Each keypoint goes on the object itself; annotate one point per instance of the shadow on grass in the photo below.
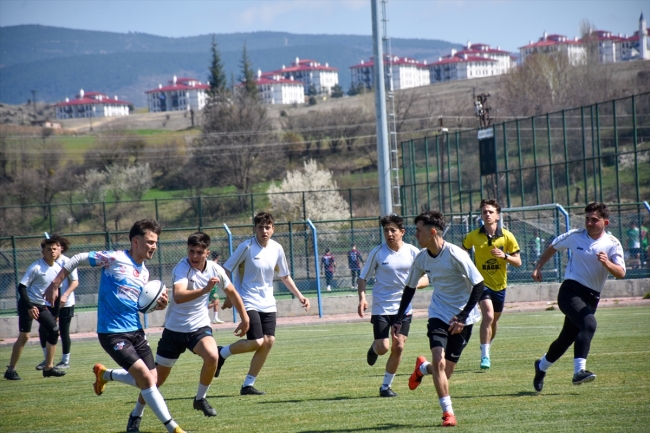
(340, 398)
(401, 427)
(518, 394)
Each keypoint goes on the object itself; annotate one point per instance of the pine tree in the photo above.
(248, 76)
(337, 91)
(217, 77)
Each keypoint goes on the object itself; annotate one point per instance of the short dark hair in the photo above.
(263, 218)
(490, 202)
(141, 227)
(392, 219)
(56, 239)
(215, 255)
(431, 218)
(199, 239)
(601, 208)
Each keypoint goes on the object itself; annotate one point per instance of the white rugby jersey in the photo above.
(452, 275)
(583, 265)
(391, 268)
(37, 278)
(253, 267)
(74, 276)
(192, 315)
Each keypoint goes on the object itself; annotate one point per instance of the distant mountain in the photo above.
(57, 62)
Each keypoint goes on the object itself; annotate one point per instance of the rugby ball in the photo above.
(151, 292)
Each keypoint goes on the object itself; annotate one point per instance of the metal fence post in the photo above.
(636, 153)
(15, 257)
(229, 233)
(200, 207)
(317, 264)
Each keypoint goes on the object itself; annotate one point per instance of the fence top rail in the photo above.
(519, 119)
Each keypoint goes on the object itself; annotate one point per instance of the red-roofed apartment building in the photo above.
(406, 72)
(91, 104)
(310, 73)
(275, 89)
(181, 94)
(611, 48)
(551, 44)
(475, 61)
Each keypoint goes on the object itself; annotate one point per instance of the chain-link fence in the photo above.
(534, 227)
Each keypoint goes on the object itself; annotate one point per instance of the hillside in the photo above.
(57, 62)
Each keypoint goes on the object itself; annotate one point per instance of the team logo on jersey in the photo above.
(136, 273)
(119, 346)
(491, 266)
(130, 293)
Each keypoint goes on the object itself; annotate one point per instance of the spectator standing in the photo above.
(355, 260)
(329, 266)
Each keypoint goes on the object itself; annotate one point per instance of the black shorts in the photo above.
(498, 298)
(66, 312)
(45, 318)
(453, 345)
(381, 325)
(261, 324)
(126, 348)
(172, 344)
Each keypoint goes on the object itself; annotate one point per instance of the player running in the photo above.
(458, 285)
(120, 333)
(390, 263)
(494, 249)
(253, 266)
(594, 255)
(187, 325)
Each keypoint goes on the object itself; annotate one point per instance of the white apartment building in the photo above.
(551, 44)
(181, 94)
(310, 73)
(475, 61)
(91, 104)
(275, 89)
(406, 72)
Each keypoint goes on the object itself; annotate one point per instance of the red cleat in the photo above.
(448, 419)
(416, 376)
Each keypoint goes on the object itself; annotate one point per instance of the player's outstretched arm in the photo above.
(546, 256)
(288, 281)
(233, 297)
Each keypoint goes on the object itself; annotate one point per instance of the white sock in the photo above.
(423, 368)
(202, 392)
(579, 364)
(485, 350)
(225, 352)
(216, 315)
(388, 380)
(138, 410)
(120, 375)
(249, 381)
(445, 404)
(65, 358)
(157, 404)
(544, 364)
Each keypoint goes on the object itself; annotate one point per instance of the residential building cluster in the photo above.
(292, 84)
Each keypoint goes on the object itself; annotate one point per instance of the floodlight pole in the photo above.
(383, 162)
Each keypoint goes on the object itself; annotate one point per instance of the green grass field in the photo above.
(317, 380)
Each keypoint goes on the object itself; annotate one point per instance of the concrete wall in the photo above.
(87, 321)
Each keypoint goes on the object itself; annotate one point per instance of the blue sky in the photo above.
(505, 23)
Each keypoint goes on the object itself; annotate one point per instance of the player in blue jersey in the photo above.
(120, 333)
